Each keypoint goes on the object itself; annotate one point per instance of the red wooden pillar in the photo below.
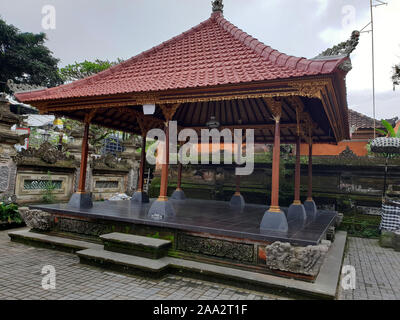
(164, 169)
(237, 193)
(275, 169)
(84, 159)
(310, 172)
(297, 173)
(179, 182)
(142, 163)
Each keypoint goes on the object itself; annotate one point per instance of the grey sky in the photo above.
(104, 29)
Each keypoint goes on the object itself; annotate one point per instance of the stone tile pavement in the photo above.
(377, 278)
(21, 278)
(377, 271)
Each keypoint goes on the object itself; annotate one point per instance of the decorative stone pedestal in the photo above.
(386, 239)
(237, 201)
(311, 209)
(81, 201)
(274, 221)
(178, 194)
(396, 240)
(140, 197)
(297, 212)
(161, 210)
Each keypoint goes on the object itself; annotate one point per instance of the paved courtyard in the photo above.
(377, 271)
(21, 278)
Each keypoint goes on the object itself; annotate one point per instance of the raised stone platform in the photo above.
(212, 217)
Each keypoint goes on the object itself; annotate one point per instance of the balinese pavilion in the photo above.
(216, 72)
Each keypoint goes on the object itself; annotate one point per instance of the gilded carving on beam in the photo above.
(275, 105)
(146, 98)
(169, 110)
(90, 115)
(310, 89)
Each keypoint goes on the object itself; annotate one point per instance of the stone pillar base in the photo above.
(311, 209)
(178, 194)
(140, 197)
(297, 212)
(237, 201)
(81, 201)
(161, 210)
(274, 221)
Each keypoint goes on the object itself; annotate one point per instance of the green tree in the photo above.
(390, 131)
(80, 70)
(24, 58)
(396, 76)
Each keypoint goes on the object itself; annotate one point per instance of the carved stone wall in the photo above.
(8, 139)
(236, 251)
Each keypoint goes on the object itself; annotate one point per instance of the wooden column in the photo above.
(142, 163)
(84, 159)
(179, 183)
(164, 169)
(275, 169)
(237, 193)
(310, 172)
(169, 112)
(297, 173)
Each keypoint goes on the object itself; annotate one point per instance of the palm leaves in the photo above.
(390, 132)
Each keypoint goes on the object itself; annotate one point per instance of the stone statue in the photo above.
(217, 6)
(342, 49)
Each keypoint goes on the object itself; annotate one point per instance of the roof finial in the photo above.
(217, 6)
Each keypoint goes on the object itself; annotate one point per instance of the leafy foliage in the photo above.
(48, 193)
(360, 225)
(396, 76)
(80, 70)
(390, 131)
(24, 58)
(9, 213)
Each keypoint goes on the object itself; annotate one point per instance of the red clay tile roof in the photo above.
(213, 53)
(360, 121)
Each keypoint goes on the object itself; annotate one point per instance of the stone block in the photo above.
(386, 239)
(299, 260)
(136, 245)
(330, 233)
(36, 219)
(396, 240)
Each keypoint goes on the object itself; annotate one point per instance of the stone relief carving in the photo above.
(344, 48)
(217, 6)
(348, 153)
(47, 153)
(36, 219)
(217, 248)
(300, 260)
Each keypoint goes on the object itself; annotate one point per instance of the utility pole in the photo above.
(373, 4)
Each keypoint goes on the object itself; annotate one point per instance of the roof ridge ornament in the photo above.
(344, 48)
(217, 6)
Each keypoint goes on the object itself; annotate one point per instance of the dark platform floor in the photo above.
(213, 217)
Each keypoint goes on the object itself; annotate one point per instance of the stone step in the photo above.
(51, 242)
(124, 262)
(136, 245)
